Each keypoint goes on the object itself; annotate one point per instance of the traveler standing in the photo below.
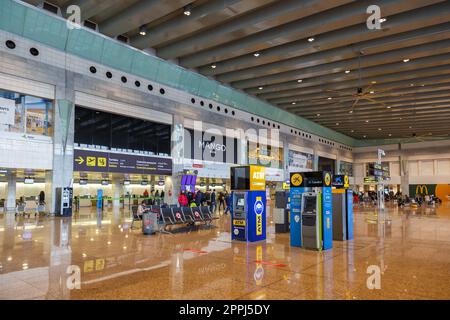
(213, 201)
(182, 199)
(42, 198)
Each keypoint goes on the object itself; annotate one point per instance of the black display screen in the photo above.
(310, 204)
(240, 178)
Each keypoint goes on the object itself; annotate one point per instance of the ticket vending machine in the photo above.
(311, 210)
(248, 210)
(342, 208)
(64, 198)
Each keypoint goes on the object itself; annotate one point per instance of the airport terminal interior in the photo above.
(224, 150)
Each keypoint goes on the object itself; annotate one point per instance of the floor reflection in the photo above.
(411, 248)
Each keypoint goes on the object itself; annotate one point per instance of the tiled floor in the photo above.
(411, 248)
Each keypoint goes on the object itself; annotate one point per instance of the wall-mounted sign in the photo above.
(7, 111)
(87, 160)
(210, 146)
(299, 161)
(28, 181)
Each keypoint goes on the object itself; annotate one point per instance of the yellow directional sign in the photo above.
(101, 162)
(91, 161)
(80, 160)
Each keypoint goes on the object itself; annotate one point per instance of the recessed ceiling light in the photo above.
(213, 66)
(329, 98)
(293, 102)
(367, 121)
(318, 114)
(410, 127)
(406, 60)
(372, 92)
(388, 107)
(373, 82)
(383, 20)
(379, 129)
(364, 136)
(411, 85)
(260, 88)
(400, 118)
(256, 54)
(311, 39)
(347, 71)
(351, 111)
(337, 123)
(422, 85)
(142, 30)
(390, 134)
(299, 80)
(352, 131)
(187, 10)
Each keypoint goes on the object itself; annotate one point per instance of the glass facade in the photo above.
(32, 115)
(107, 131)
(265, 155)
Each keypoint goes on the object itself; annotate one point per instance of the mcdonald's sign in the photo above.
(421, 189)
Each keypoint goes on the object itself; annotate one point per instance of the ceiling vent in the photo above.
(122, 38)
(90, 25)
(50, 7)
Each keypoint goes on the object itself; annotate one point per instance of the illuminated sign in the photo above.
(257, 178)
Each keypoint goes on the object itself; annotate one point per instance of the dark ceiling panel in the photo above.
(305, 78)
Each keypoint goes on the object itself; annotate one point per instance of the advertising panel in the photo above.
(7, 111)
(300, 161)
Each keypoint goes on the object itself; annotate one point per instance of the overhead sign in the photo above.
(7, 111)
(311, 179)
(87, 160)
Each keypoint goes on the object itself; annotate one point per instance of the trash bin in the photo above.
(149, 222)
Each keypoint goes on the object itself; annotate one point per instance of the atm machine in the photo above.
(311, 221)
(342, 208)
(248, 210)
(64, 199)
(311, 210)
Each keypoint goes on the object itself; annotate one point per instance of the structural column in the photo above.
(178, 153)
(63, 137)
(11, 192)
(118, 192)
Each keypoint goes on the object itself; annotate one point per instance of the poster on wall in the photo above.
(87, 160)
(300, 161)
(7, 111)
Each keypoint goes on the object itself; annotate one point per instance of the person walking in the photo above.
(228, 203)
(221, 201)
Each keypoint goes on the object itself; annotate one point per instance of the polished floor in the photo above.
(411, 248)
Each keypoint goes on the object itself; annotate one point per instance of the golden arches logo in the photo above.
(346, 180)
(296, 179)
(421, 188)
(327, 179)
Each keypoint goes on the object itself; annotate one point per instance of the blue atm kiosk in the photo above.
(248, 209)
(311, 224)
(342, 208)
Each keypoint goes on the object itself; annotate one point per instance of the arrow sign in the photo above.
(80, 160)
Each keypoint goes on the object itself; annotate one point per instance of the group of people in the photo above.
(402, 200)
(208, 198)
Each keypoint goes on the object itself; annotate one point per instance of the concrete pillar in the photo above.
(63, 137)
(285, 158)
(11, 192)
(404, 175)
(242, 151)
(178, 153)
(118, 192)
(316, 162)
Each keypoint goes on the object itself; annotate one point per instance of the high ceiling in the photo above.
(402, 69)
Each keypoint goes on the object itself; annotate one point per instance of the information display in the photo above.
(87, 160)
